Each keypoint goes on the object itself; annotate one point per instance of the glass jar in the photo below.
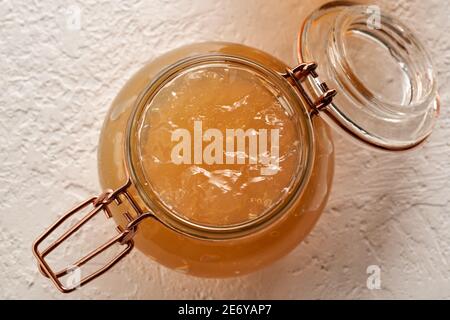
(217, 158)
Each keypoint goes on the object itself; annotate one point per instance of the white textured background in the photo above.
(56, 86)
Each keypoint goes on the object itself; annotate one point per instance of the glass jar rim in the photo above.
(195, 229)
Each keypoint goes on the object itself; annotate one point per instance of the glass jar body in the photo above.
(208, 258)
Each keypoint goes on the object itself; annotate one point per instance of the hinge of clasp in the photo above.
(299, 74)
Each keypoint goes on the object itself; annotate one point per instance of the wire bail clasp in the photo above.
(124, 237)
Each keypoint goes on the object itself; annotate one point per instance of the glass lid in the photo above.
(387, 93)
(218, 145)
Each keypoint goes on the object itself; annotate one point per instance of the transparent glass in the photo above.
(264, 241)
(383, 74)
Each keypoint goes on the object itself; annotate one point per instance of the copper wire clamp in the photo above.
(124, 236)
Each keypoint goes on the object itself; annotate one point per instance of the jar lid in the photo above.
(387, 93)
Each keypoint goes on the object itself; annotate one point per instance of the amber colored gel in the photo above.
(222, 98)
(217, 194)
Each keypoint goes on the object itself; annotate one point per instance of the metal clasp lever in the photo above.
(124, 237)
(299, 74)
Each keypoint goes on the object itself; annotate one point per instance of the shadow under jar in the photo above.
(217, 158)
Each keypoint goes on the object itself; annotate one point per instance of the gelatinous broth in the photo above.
(214, 176)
